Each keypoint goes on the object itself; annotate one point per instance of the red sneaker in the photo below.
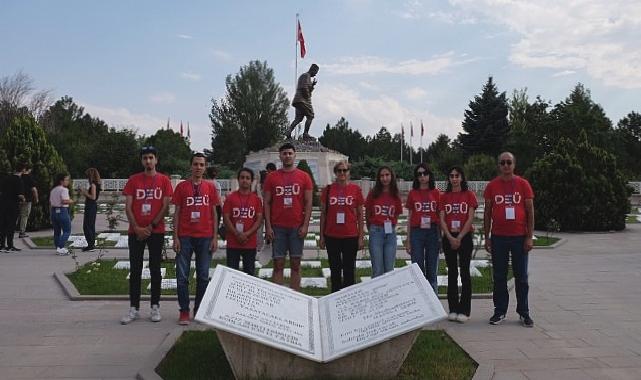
(183, 320)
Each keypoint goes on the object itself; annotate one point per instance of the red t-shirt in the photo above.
(342, 200)
(457, 207)
(196, 218)
(423, 203)
(242, 209)
(148, 193)
(383, 208)
(287, 196)
(505, 195)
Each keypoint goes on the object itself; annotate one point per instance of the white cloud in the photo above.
(185, 36)
(415, 93)
(564, 73)
(163, 97)
(121, 117)
(191, 76)
(377, 65)
(412, 10)
(221, 55)
(596, 36)
(369, 113)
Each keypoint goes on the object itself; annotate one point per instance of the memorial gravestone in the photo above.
(272, 331)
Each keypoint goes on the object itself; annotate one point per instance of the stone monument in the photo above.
(365, 330)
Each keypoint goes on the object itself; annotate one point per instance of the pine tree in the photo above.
(485, 125)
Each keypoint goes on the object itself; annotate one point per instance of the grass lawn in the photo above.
(434, 356)
(47, 242)
(543, 241)
(631, 219)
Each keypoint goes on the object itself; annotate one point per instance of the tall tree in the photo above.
(485, 124)
(173, 151)
(252, 116)
(442, 154)
(628, 145)
(343, 139)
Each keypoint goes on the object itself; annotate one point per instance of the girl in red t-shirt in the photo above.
(422, 227)
(341, 226)
(456, 215)
(382, 208)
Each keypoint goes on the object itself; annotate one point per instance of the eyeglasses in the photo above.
(342, 170)
(454, 175)
(505, 162)
(422, 173)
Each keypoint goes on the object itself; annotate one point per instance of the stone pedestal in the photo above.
(252, 360)
(321, 160)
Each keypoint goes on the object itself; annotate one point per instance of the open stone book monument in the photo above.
(271, 331)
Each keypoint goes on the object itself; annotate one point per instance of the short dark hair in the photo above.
(59, 177)
(20, 166)
(286, 146)
(212, 172)
(248, 170)
(197, 154)
(147, 150)
(270, 166)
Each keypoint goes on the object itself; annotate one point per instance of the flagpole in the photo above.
(402, 138)
(296, 53)
(411, 148)
(422, 141)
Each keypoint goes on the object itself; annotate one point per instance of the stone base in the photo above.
(252, 360)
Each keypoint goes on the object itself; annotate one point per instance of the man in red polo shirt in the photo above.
(288, 206)
(509, 216)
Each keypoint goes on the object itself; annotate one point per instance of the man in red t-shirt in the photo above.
(288, 206)
(242, 215)
(147, 199)
(509, 216)
(195, 225)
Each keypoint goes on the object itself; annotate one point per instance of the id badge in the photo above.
(426, 222)
(146, 209)
(195, 216)
(456, 225)
(240, 227)
(509, 213)
(388, 227)
(58, 210)
(288, 201)
(340, 218)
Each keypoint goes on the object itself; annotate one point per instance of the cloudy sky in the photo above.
(137, 63)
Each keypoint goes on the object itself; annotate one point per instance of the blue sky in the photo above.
(137, 63)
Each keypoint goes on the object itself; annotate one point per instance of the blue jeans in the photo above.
(287, 240)
(200, 246)
(424, 244)
(61, 225)
(501, 248)
(382, 250)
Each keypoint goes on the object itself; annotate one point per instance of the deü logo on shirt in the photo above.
(149, 193)
(508, 198)
(341, 201)
(384, 210)
(425, 206)
(456, 208)
(288, 190)
(199, 200)
(243, 212)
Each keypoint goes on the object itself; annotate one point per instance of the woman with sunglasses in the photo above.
(422, 229)
(382, 208)
(456, 214)
(341, 226)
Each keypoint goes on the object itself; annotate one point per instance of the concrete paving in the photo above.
(584, 298)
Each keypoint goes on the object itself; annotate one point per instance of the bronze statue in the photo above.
(303, 101)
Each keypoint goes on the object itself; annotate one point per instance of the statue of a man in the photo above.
(303, 101)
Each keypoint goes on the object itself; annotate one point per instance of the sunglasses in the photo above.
(505, 162)
(422, 173)
(148, 149)
(342, 170)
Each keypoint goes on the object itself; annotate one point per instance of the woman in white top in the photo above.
(60, 217)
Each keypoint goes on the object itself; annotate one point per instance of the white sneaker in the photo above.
(131, 316)
(452, 317)
(62, 251)
(154, 314)
(462, 318)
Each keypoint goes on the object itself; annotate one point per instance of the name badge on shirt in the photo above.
(146, 209)
(195, 216)
(240, 227)
(288, 201)
(388, 227)
(456, 225)
(340, 218)
(426, 222)
(509, 213)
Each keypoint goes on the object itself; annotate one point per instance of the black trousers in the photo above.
(8, 217)
(455, 259)
(136, 254)
(249, 259)
(89, 223)
(341, 253)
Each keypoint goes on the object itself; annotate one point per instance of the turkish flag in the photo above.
(301, 40)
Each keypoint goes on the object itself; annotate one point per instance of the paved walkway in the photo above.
(585, 300)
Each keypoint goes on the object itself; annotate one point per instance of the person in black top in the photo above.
(31, 197)
(91, 194)
(12, 195)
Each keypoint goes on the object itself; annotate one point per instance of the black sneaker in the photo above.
(526, 321)
(13, 249)
(88, 249)
(23, 235)
(497, 318)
